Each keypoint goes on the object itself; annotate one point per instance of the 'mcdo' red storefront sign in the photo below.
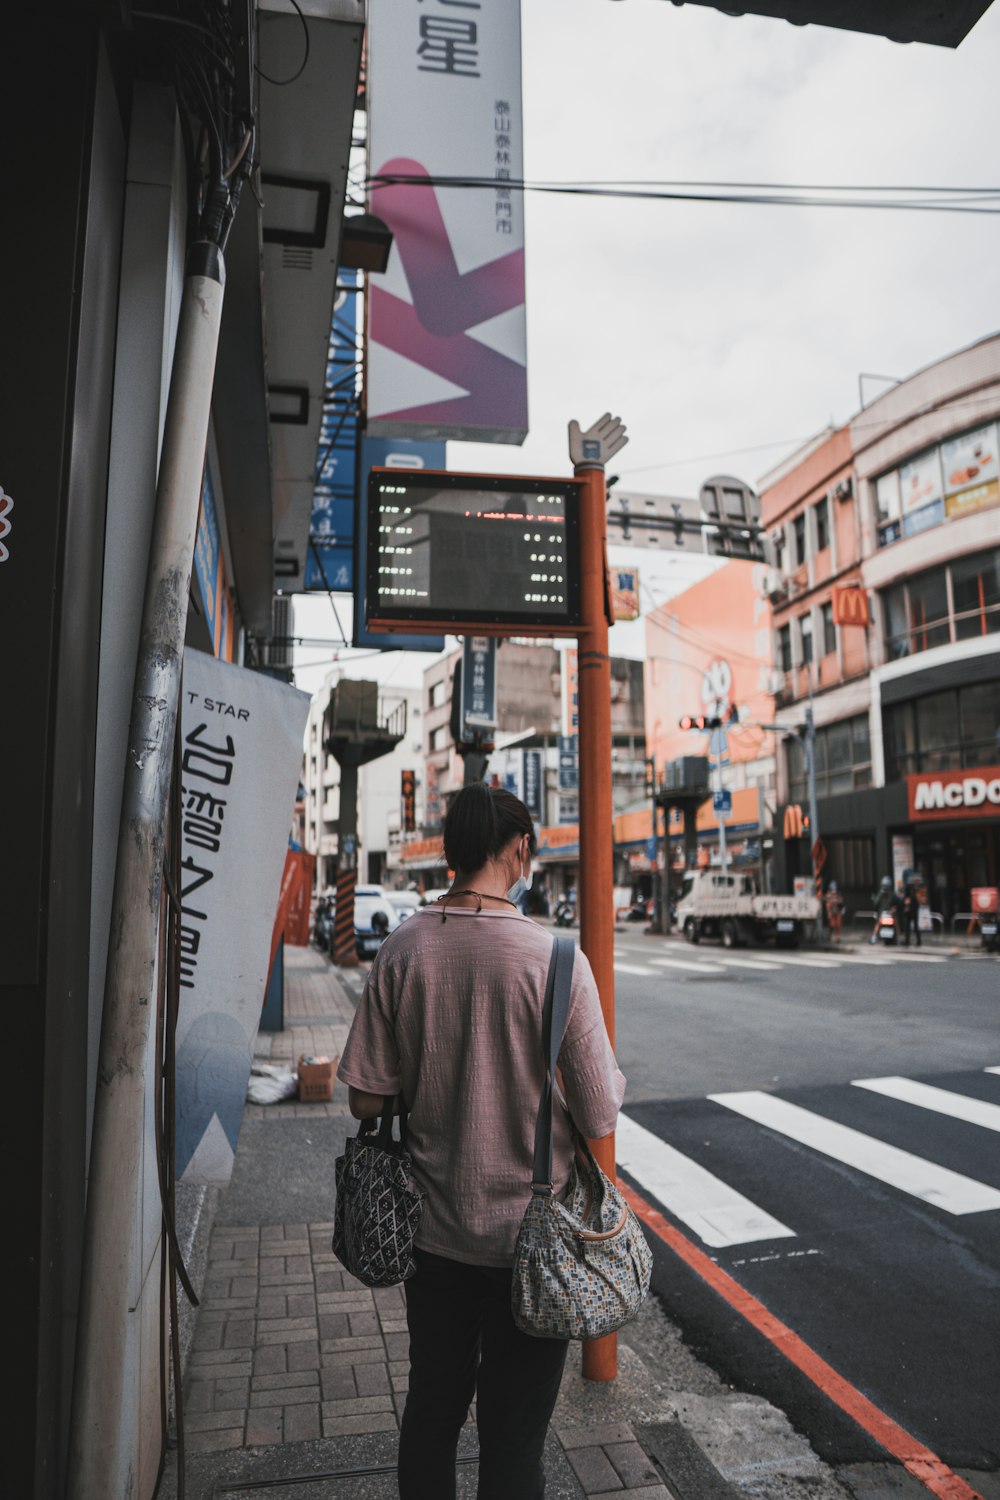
(932, 795)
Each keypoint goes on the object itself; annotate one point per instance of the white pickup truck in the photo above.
(728, 906)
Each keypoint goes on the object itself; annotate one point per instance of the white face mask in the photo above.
(521, 884)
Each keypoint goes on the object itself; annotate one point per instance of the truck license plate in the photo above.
(786, 926)
(989, 929)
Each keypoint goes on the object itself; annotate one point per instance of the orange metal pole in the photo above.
(596, 886)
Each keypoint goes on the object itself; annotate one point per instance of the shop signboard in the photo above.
(531, 782)
(570, 693)
(920, 480)
(479, 685)
(971, 459)
(978, 497)
(447, 349)
(916, 521)
(935, 795)
(241, 737)
(624, 593)
(902, 858)
(569, 765)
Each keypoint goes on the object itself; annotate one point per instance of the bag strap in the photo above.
(554, 1014)
(385, 1122)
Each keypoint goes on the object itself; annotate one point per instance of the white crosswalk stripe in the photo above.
(699, 967)
(638, 969)
(716, 1212)
(991, 1070)
(765, 965)
(942, 1101)
(900, 1169)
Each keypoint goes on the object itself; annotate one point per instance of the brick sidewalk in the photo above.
(290, 1348)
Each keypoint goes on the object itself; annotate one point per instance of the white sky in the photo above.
(723, 335)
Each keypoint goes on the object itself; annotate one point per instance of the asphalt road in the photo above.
(825, 1128)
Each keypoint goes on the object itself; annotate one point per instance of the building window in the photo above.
(440, 737)
(822, 525)
(785, 648)
(829, 629)
(438, 693)
(975, 583)
(952, 603)
(843, 760)
(947, 731)
(778, 545)
(806, 638)
(799, 540)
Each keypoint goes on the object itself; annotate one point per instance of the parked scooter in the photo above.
(565, 912)
(887, 928)
(323, 924)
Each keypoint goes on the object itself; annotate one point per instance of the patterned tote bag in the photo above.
(582, 1266)
(378, 1206)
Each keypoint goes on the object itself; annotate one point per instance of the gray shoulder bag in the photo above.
(582, 1266)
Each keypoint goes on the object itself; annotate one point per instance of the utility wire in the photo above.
(952, 200)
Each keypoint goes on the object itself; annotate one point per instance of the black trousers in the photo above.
(463, 1343)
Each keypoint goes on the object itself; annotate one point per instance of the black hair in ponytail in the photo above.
(481, 821)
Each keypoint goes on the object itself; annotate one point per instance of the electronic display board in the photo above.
(497, 553)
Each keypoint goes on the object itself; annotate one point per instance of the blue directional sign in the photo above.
(722, 802)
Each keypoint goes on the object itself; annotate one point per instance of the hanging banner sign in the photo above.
(532, 782)
(330, 556)
(241, 759)
(447, 349)
(479, 684)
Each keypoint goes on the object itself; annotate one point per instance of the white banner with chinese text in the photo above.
(446, 352)
(241, 761)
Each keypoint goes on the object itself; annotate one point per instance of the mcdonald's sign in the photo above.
(408, 791)
(850, 606)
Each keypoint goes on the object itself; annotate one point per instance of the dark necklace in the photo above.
(481, 896)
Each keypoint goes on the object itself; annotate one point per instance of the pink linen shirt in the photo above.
(451, 1018)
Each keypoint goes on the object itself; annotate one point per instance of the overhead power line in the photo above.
(963, 200)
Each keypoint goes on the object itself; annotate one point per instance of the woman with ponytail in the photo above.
(450, 1019)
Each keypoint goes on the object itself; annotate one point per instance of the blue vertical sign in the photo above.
(479, 685)
(569, 772)
(387, 453)
(330, 558)
(531, 780)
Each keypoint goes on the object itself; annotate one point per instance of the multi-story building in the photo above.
(708, 654)
(892, 520)
(378, 787)
(534, 691)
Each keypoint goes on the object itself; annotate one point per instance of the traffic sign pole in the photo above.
(590, 451)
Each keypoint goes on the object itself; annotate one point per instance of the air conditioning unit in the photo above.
(775, 584)
(843, 490)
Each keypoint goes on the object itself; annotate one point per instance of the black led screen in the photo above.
(466, 548)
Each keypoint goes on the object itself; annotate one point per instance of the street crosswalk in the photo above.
(641, 963)
(716, 1204)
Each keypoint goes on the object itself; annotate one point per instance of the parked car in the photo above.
(430, 896)
(405, 903)
(374, 918)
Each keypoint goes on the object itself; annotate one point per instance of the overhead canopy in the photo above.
(943, 23)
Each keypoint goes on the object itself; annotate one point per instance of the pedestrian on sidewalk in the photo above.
(833, 903)
(451, 1019)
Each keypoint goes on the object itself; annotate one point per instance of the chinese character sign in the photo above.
(446, 336)
(479, 684)
(241, 756)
